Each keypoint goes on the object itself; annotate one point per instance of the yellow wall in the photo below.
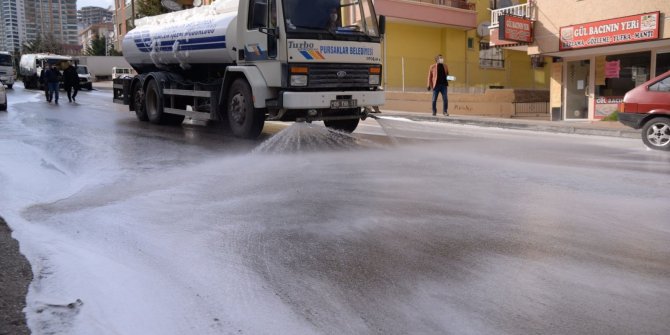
(414, 44)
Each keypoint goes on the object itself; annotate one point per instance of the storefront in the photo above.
(598, 62)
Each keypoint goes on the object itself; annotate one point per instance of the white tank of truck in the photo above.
(200, 35)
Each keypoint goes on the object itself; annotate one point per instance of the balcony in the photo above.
(462, 4)
(455, 13)
(524, 10)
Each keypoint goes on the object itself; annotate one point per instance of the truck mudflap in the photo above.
(121, 90)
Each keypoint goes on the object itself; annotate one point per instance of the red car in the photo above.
(648, 107)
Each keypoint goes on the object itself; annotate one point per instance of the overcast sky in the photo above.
(97, 3)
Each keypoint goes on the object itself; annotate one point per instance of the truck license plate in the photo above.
(343, 103)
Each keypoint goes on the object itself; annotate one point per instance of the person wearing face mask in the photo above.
(437, 82)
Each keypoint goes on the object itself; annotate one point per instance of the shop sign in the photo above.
(496, 42)
(515, 28)
(606, 106)
(634, 28)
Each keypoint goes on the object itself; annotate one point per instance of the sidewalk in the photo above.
(102, 85)
(586, 127)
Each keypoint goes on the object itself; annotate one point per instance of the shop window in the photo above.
(662, 63)
(616, 75)
(491, 57)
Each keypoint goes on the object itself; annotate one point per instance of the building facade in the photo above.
(13, 31)
(600, 49)
(417, 30)
(93, 15)
(53, 19)
(101, 30)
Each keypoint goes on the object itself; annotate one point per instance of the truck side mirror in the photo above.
(382, 25)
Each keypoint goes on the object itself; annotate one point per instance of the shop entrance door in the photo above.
(577, 90)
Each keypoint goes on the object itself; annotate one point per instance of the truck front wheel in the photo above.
(245, 120)
(656, 133)
(347, 126)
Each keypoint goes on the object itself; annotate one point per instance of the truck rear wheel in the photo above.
(138, 103)
(244, 120)
(153, 103)
(155, 107)
(656, 133)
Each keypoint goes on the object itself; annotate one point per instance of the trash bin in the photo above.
(556, 114)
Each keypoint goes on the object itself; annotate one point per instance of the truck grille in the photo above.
(338, 75)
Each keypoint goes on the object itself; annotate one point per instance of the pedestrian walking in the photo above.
(71, 82)
(53, 77)
(43, 82)
(437, 82)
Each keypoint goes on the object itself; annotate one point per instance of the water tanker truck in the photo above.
(247, 61)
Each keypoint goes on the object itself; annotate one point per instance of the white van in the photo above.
(84, 77)
(120, 72)
(7, 71)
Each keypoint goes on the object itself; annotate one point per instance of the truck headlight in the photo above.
(299, 80)
(375, 75)
(298, 75)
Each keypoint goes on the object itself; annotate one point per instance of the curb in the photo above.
(544, 126)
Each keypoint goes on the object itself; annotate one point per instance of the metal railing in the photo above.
(525, 10)
(462, 4)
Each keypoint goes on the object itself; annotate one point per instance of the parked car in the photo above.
(648, 107)
(84, 77)
(3, 98)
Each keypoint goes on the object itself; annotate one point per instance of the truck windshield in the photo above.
(82, 70)
(6, 60)
(338, 18)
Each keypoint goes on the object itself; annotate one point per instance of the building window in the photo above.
(471, 43)
(662, 63)
(492, 58)
(497, 4)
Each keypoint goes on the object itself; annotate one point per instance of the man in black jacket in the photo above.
(52, 77)
(71, 82)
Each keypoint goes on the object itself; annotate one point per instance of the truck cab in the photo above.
(322, 59)
(7, 71)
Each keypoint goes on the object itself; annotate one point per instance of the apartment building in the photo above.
(56, 18)
(13, 31)
(600, 49)
(102, 30)
(93, 15)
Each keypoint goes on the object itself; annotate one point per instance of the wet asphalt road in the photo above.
(437, 229)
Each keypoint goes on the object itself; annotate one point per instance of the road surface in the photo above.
(402, 228)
